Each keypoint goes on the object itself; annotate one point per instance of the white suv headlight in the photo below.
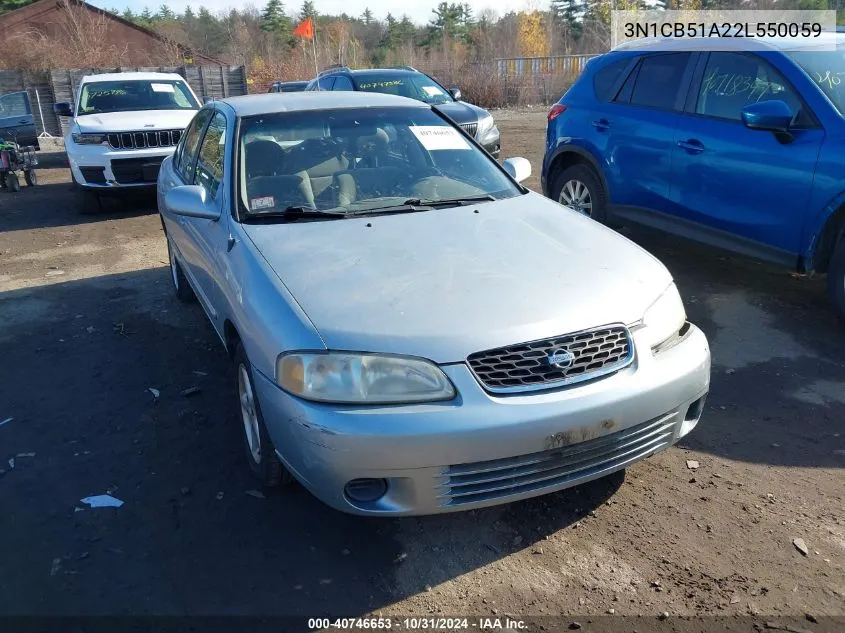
(362, 378)
(86, 138)
(665, 317)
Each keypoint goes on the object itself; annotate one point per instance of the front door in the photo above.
(746, 184)
(17, 123)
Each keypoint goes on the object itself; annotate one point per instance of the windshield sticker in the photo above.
(380, 84)
(267, 202)
(162, 87)
(432, 91)
(437, 137)
(829, 79)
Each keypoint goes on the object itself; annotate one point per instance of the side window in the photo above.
(342, 82)
(187, 154)
(209, 172)
(14, 104)
(731, 81)
(325, 83)
(604, 81)
(659, 80)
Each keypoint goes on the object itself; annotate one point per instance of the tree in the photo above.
(165, 14)
(128, 15)
(568, 13)
(367, 16)
(531, 35)
(307, 11)
(274, 20)
(11, 5)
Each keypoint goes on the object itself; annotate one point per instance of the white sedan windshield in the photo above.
(361, 159)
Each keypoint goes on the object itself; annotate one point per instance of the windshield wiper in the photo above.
(291, 214)
(451, 202)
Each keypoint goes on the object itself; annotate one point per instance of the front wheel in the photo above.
(836, 279)
(30, 177)
(181, 287)
(260, 453)
(12, 182)
(579, 188)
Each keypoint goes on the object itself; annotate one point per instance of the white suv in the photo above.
(124, 126)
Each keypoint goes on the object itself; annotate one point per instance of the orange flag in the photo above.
(305, 29)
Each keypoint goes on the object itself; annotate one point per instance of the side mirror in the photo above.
(63, 109)
(455, 92)
(519, 168)
(770, 116)
(191, 201)
(207, 99)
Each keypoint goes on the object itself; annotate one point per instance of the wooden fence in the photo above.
(556, 65)
(54, 86)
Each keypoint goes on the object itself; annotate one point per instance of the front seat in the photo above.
(263, 158)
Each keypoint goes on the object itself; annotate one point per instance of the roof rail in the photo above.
(405, 67)
(332, 68)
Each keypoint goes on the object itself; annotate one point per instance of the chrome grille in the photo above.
(471, 128)
(591, 354)
(557, 468)
(140, 140)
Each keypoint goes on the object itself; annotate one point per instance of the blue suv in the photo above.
(744, 150)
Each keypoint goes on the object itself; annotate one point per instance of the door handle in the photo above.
(23, 121)
(692, 145)
(601, 125)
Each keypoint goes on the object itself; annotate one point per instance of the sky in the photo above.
(419, 12)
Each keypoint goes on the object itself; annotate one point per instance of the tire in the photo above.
(30, 177)
(836, 279)
(12, 182)
(88, 202)
(581, 184)
(181, 287)
(260, 453)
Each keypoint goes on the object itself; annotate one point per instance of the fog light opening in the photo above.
(365, 490)
(695, 410)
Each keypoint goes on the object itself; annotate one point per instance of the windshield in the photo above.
(357, 160)
(827, 69)
(128, 96)
(414, 85)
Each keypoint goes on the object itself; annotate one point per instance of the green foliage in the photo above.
(11, 5)
(308, 11)
(273, 19)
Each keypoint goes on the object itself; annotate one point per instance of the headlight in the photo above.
(88, 139)
(485, 126)
(362, 378)
(665, 317)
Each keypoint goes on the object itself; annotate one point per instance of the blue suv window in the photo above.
(659, 79)
(604, 81)
(731, 81)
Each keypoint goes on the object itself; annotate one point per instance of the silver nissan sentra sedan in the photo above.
(413, 331)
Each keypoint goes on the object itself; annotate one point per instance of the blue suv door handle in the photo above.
(692, 145)
(601, 125)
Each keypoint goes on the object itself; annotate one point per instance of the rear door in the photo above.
(639, 126)
(17, 123)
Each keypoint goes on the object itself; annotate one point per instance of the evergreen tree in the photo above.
(128, 15)
(569, 14)
(11, 5)
(367, 16)
(165, 14)
(274, 20)
(307, 11)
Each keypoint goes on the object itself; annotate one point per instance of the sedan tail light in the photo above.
(556, 111)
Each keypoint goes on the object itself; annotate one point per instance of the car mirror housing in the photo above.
(191, 201)
(63, 109)
(456, 93)
(771, 116)
(519, 168)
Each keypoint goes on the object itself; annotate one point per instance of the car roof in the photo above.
(267, 103)
(756, 43)
(133, 76)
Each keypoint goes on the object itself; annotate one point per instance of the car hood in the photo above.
(446, 283)
(131, 121)
(461, 112)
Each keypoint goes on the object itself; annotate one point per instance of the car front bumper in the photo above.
(480, 449)
(101, 168)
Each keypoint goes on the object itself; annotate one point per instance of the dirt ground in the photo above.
(90, 328)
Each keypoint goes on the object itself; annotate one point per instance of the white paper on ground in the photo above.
(162, 87)
(437, 137)
(102, 501)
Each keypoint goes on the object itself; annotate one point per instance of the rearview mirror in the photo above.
(191, 201)
(455, 92)
(770, 116)
(519, 168)
(62, 109)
